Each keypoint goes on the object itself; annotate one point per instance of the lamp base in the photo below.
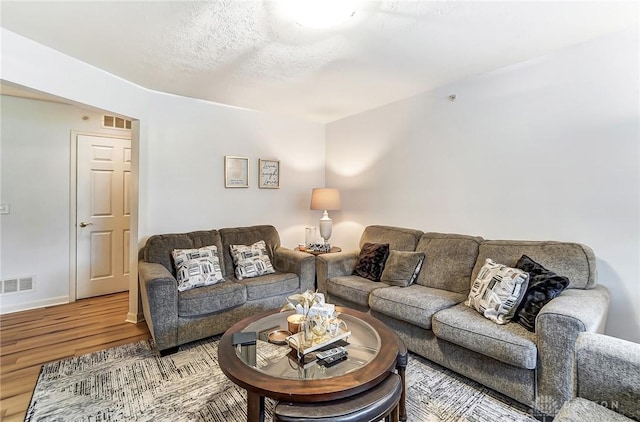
(325, 226)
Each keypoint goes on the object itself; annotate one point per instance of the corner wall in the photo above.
(547, 149)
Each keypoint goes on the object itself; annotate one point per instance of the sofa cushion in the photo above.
(353, 288)
(197, 267)
(449, 261)
(251, 261)
(269, 285)
(371, 260)
(575, 261)
(398, 238)
(510, 343)
(159, 247)
(544, 285)
(402, 268)
(497, 291)
(210, 299)
(414, 304)
(582, 410)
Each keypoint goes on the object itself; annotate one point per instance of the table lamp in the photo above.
(325, 199)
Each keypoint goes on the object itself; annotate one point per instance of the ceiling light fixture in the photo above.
(319, 14)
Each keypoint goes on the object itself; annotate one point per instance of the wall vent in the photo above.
(10, 286)
(115, 122)
(16, 285)
(25, 283)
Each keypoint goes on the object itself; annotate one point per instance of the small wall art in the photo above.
(268, 174)
(236, 172)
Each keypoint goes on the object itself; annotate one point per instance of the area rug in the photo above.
(133, 383)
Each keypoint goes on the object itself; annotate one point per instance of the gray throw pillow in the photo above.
(402, 268)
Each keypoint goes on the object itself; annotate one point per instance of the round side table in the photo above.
(333, 249)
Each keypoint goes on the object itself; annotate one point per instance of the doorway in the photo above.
(102, 215)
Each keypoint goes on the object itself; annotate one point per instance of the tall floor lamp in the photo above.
(325, 199)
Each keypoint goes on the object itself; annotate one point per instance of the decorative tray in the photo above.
(317, 343)
(279, 336)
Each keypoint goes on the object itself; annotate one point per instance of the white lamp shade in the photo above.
(325, 199)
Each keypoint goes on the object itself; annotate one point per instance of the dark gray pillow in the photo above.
(402, 268)
(371, 260)
(544, 285)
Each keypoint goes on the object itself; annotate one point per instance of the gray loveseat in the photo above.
(177, 317)
(432, 320)
(607, 378)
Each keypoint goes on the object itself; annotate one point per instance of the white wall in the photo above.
(35, 168)
(548, 149)
(180, 141)
(186, 168)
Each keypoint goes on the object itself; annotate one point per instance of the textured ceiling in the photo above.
(248, 54)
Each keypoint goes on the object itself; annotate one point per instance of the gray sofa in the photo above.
(607, 378)
(432, 320)
(177, 317)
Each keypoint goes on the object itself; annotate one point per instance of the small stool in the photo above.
(372, 405)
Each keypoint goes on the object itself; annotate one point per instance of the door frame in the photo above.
(134, 315)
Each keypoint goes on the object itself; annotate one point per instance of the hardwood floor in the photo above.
(29, 339)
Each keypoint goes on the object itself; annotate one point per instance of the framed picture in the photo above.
(236, 172)
(268, 174)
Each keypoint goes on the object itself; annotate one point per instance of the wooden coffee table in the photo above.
(271, 370)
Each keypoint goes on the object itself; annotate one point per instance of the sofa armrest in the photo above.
(290, 261)
(334, 265)
(159, 294)
(608, 372)
(557, 327)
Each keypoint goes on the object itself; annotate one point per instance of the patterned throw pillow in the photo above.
(197, 267)
(371, 260)
(544, 285)
(251, 261)
(402, 268)
(497, 291)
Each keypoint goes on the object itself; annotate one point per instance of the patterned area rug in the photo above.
(133, 383)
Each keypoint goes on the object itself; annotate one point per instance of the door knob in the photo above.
(83, 224)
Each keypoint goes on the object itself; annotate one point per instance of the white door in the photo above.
(103, 214)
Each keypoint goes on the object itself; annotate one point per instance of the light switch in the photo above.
(5, 209)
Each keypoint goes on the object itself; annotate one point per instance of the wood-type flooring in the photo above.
(31, 338)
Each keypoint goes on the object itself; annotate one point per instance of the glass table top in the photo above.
(282, 361)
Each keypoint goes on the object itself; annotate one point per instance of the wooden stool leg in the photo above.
(401, 365)
(393, 416)
(403, 397)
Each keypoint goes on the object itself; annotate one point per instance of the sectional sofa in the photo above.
(176, 317)
(534, 368)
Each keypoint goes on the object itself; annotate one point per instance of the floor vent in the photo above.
(115, 122)
(15, 285)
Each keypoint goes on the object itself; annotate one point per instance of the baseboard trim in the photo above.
(36, 304)
(134, 318)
